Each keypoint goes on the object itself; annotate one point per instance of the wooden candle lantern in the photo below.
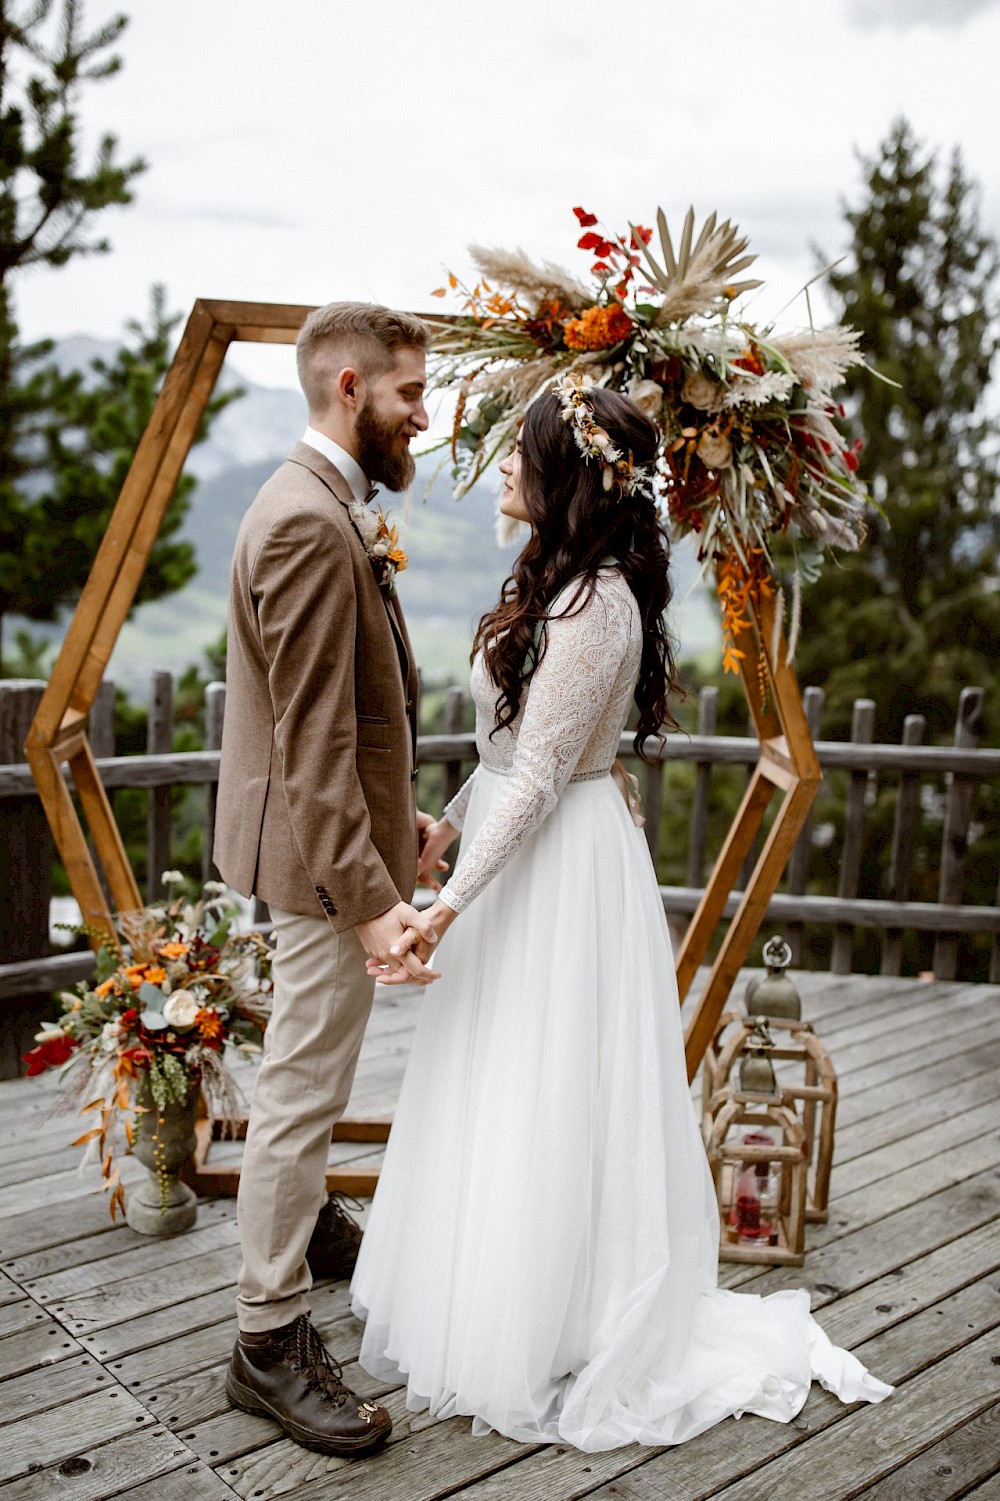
(757, 1153)
(809, 1088)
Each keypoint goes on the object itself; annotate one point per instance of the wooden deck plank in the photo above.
(873, 1249)
(119, 1240)
(881, 1131)
(872, 1442)
(749, 1452)
(135, 1466)
(40, 1345)
(151, 1256)
(28, 1444)
(948, 1468)
(117, 1340)
(921, 1147)
(906, 1269)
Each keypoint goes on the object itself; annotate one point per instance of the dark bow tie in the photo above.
(372, 495)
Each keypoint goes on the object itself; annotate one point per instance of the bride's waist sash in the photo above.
(625, 781)
(578, 776)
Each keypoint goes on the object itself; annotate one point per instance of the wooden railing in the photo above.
(962, 768)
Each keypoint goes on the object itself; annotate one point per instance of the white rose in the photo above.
(699, 390)
(648, 397)
(180, 1010)
(714, 449)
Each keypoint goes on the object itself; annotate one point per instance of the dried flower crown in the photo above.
(593, 441)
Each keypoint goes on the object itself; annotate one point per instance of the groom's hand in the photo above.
(381, 934)
(414, 944)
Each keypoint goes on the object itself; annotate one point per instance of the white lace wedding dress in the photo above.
(541, 1251)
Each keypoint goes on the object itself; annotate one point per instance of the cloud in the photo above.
(903, 15)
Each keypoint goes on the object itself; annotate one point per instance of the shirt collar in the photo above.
(341, 460)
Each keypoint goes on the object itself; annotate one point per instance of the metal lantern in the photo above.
(773, 994)
(757, 1153)
(757, 1076)
(769, 1057)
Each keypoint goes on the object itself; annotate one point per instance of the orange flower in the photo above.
(174, 950)
(137, 973)
(597, 328)
(398, 556)
(209, 1024)
(107, 986)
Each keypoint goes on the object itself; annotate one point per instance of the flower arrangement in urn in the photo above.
(750, 448)
(150, 1031)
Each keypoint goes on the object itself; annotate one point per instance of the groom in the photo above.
(316, 816)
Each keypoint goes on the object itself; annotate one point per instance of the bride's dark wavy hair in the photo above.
(577, 524)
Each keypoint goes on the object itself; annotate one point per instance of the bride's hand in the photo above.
(435, 837)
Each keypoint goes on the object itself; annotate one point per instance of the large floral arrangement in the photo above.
(180, 986)
(750, 450)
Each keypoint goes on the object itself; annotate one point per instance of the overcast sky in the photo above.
(316, 149)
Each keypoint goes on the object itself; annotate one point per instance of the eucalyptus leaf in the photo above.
(154, 1021)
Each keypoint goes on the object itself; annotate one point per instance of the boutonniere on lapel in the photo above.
(381, 543)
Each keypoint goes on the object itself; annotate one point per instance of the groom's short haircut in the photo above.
(364, 335)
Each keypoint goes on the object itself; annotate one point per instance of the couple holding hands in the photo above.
(541, 1253)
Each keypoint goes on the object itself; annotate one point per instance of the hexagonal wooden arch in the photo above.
(58, 734)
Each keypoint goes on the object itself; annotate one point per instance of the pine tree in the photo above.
(915, 616)
(66, 439)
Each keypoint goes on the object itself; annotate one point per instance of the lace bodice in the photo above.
(567, 728)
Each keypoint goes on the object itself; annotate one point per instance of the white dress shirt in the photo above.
(341, 460)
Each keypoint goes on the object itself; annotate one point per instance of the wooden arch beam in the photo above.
(58, 733)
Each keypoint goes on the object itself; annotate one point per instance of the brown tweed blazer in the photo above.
(316, 806)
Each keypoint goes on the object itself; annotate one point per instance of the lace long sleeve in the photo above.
(566, 699)
(455, 811)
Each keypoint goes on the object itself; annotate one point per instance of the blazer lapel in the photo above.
(335, 482)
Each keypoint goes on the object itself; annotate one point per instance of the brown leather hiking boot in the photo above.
(335, 1242)
(287, 1374)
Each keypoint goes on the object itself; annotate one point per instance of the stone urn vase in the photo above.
(164, 1140)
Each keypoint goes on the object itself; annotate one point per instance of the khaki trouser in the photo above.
(322, 1001)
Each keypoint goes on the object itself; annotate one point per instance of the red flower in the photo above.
(645, 235)
(851, 459)
(49, 1054)
(586, 220)
(597, 243)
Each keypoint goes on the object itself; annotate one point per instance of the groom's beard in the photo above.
(385, 459)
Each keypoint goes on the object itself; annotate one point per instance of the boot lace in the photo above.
(314, 1362)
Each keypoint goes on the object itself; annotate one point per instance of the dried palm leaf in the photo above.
(703, 272)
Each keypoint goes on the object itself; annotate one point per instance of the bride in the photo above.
(541, 1253)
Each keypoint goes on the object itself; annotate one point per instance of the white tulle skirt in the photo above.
(541, 1251)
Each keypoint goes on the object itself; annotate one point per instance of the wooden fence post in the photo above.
(904, 830)
(159, 741)
(708, 705)
(25, 877)
(101, 733)
(454, 715)
(215, 708)
(862, 728)
(798, 865)
(955, 837)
